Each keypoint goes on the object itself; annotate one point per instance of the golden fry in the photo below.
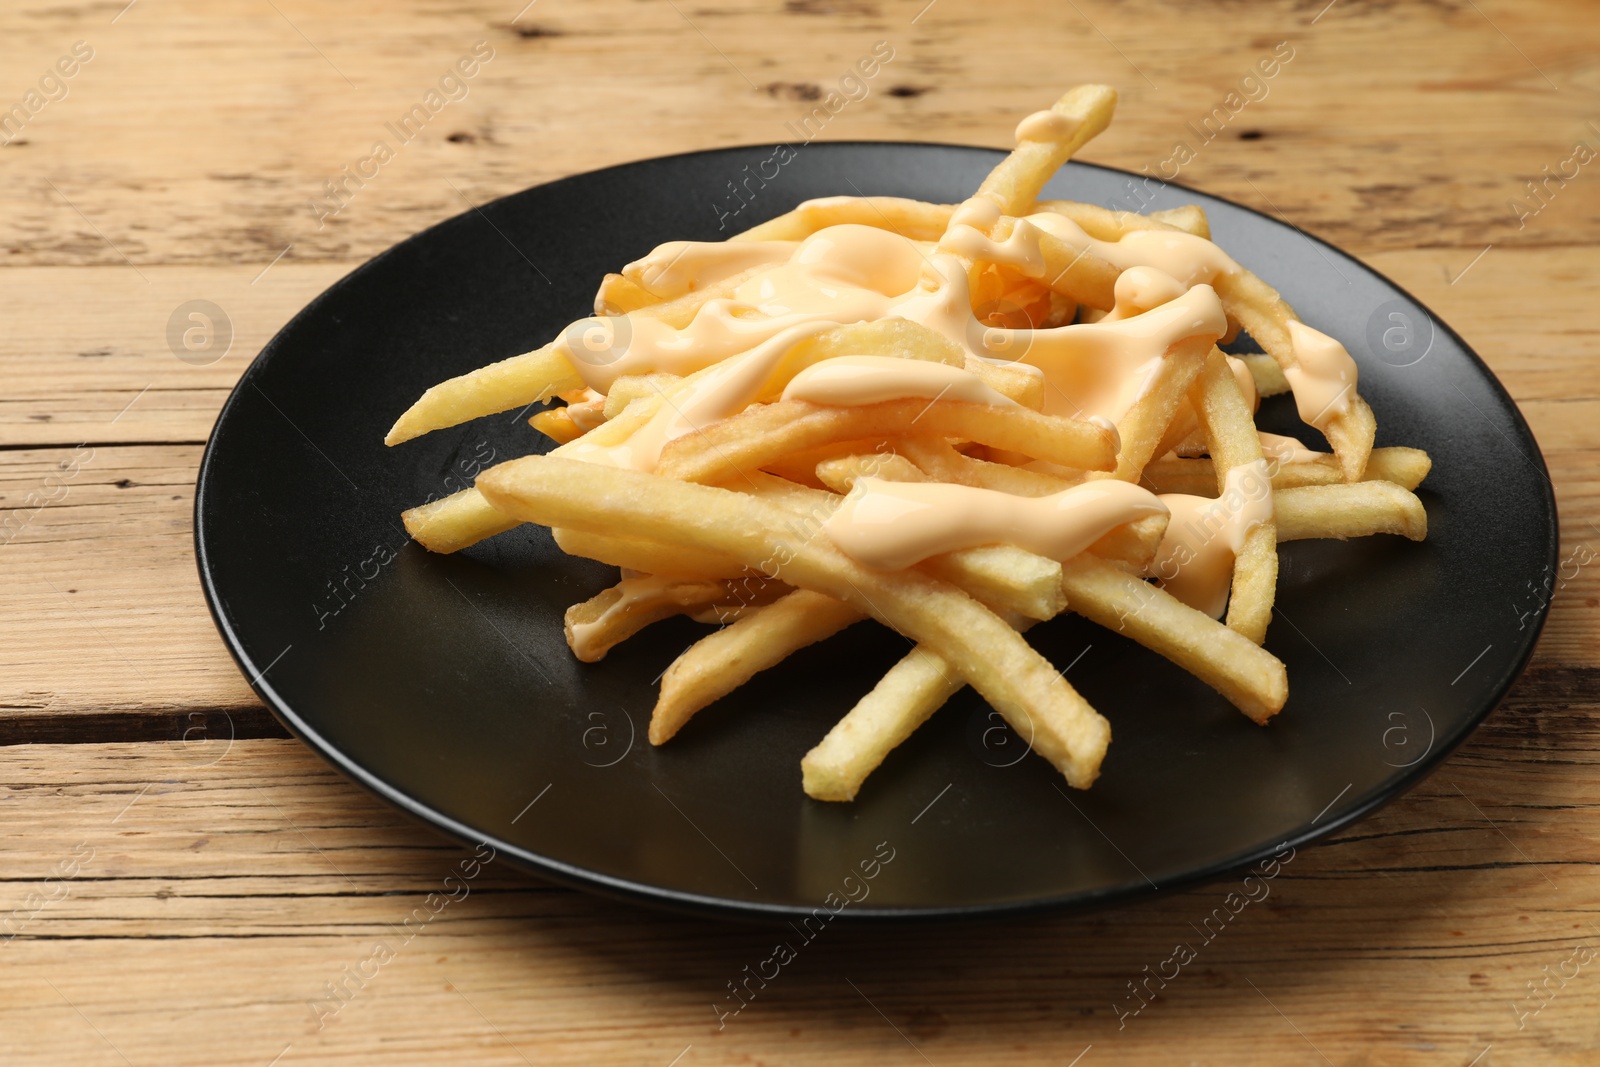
(724, 660)
(1234, 443)
(1352, 509)
(1250, 677)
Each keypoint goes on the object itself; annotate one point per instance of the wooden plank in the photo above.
(311, 88)
(214, 891)
(104, 614)
(86, 356)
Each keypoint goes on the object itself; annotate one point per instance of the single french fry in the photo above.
(520, 381)
(1255, 583)
(1253, 679)
(1191, 477)
(904, 699)
(1266, 372)
(1015, 679)
(648, 557)
(1351, 509)
(1190, 218)
(1133, 545)
(1405, 467)
(630, 387)
(801, 466)
(1015, 183)
(454, 522)
(1183, 432)
(1232, 438)
(722, 661)
(1004, 578)
(597, 625)
(762, 434)
(1142, 427)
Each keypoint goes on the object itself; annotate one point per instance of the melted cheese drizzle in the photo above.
(1046, 126)
(848, 274)
(845, 274)
(680, 267)
(847, 381)
(1195, 558)
(1103, 368)
(1323, 377)
(1286, 449)
(1140, 289)
(1188, 258)
(891, 525)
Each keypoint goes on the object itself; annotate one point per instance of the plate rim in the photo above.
(707, 905)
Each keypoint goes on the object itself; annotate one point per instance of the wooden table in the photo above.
(182, 883)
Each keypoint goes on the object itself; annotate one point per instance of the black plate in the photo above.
(443, 683)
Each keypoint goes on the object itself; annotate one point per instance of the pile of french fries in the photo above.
(728, 523)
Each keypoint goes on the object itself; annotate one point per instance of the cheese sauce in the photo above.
(1046, 126)
(1204, 535)
(891, 525)
(852, 273)
(847, 381)
(780, 293)
(1323, 377)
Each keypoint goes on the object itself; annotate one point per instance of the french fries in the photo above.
(684, 458)
(760, 435)
(990, 655)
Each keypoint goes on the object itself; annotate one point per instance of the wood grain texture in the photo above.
(224, 886)
(1391, 122)
(217, 886)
